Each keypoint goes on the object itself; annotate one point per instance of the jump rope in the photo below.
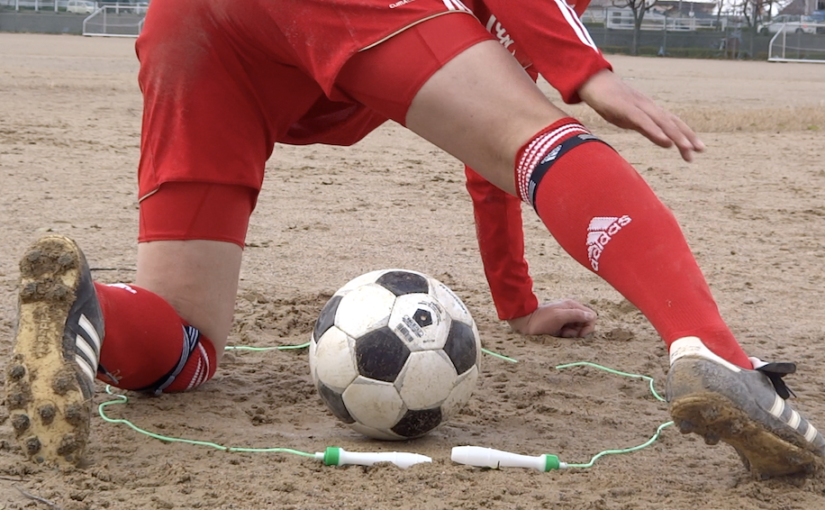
(468, 455)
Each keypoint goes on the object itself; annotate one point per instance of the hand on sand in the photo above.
(565, 318)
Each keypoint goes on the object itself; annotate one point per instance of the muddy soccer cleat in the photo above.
(50, 380)
(744, 408)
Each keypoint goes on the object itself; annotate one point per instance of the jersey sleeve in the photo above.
(550, 34)
(500, 236)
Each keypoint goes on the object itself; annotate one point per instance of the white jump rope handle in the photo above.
(490, 458)
(334, 456)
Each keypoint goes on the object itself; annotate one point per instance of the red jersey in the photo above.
(547, 38)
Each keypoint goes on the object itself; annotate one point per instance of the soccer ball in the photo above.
(394, 353)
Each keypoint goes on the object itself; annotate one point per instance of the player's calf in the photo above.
(603, 213)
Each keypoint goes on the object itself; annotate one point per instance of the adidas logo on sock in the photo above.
(599, 233)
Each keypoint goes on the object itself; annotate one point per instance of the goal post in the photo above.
(115, 21)
(792, 45)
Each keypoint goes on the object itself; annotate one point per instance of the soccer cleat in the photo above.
(723, 402)
(50, 380)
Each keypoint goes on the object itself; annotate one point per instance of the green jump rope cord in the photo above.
(624, 374)
(304, 346)
(123, 399)
(260, 349)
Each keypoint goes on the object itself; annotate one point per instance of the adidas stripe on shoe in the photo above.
(50, 380)
(723, 402)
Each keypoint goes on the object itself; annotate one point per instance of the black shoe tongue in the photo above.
(775, 372)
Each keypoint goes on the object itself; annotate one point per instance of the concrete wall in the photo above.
(42, 22)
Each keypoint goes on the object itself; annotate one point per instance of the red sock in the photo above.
(147, 346)
(604, 214)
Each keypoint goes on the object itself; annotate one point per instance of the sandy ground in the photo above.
(752, 208)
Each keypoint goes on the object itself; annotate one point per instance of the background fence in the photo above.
(695, 37)
(731, 43)
(68, 16)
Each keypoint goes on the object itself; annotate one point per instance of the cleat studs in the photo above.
(711, 439)
(65, 260)
(32, 445)
(34, 256)
(68, 445)
(16, 372)
(20, 423)
(62, 384)
(17, 401)
(29, 291)
(47, 413)
(60, 292)
(74, 414)
(686, 427)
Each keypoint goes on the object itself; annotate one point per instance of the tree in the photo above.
(753, 11)
(639, 8)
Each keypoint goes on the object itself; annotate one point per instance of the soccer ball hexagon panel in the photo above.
(394, 353)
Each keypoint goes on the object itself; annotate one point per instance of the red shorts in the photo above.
(224, 80)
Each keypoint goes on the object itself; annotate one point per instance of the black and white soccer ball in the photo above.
(394, 354)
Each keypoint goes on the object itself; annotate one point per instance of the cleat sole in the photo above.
(50, 276)
(764, 453)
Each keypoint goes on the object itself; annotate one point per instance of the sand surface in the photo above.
(752, 208)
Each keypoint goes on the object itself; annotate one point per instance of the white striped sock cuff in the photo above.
(537, 149)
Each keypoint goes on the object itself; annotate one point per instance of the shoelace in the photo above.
(775, 372)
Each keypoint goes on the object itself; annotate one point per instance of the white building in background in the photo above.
(803, 7)
(679, 15)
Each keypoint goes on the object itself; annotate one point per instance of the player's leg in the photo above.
(214, 104)
(176, 269)
(167, 332)
(482, 121)
(163, 334)
(430, 94)
(203, 148)
(504, 119)
(480, 107)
